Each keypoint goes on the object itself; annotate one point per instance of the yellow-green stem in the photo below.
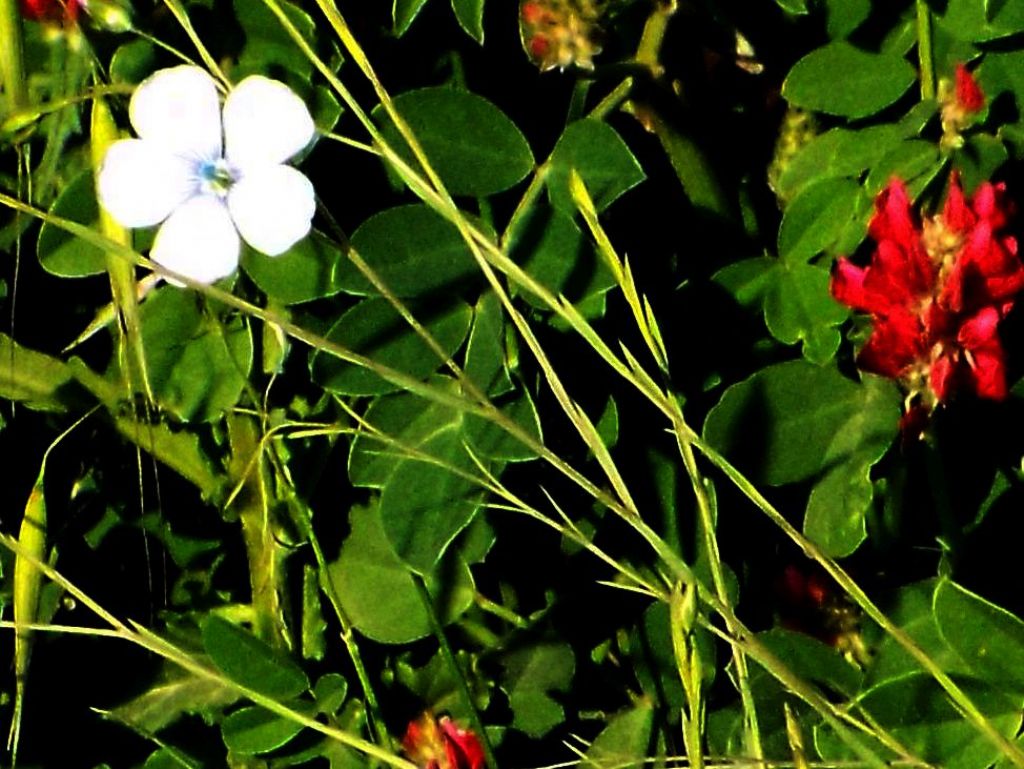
(924, 50)
(12, 57)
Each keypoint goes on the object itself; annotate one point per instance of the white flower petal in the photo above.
(272, 207)
(265, 122)
(179, 109)
(140, 183)
(198, 240)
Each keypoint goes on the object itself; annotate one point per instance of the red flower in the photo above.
(50, 10)
(440, 744)
(936, 291)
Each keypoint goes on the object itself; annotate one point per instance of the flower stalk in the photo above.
(12, 58)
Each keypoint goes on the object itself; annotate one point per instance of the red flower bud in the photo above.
(968, 93)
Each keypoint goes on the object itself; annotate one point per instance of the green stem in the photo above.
(924, 50)
(500, 611)
(12, 56)
(648, 52)
(266, 557)
(752, 729)
(453, 663)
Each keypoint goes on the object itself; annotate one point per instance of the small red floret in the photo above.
(969, 95)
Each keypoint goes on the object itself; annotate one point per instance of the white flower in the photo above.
(207, 179)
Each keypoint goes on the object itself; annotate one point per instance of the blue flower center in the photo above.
(217, 177)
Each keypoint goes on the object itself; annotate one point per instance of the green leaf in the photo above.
(329, 692)
(837, 153)
(183, 549)
(912, 610)
(597, 153)
(268, 45)
(655, 665)
(968, 20)
(490, 441)
(835, 515)
(470, 14)
(485, 359)
(915, 161)
(373, 328)
(695, 170)
(988, 638)
(748, 281)
(178, 449)
(404, 417)
(404, 13)
(133, 62)
(61, 253)
(248, 661)
(377, 590)
(798, 307)
(32, 378)
(163, 704)
(170, 758)
(791, 421)
(844, 16)
(532, 674)
(813, 660)
(436, 683)
(197, 364)
(919, 714)
(470, 143)
(868, 82)
(979, 159)
(304, 272)
(420, 525)
(413, 250)
(625, 741)
(253, 730)
(554, 251)
(795, 7)
(816, 218)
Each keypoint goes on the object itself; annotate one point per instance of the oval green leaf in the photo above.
(816, 218)
(474, 147)
(917, 712)
(988, 638)
(302, 273)
(868, 82)
(791, 421)
(377, 590)
(254, 730)
(197, 365)
(374, 329)
(248, 661)
(600, 157)
(412, 250)
(61, 253)
(470, 14)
